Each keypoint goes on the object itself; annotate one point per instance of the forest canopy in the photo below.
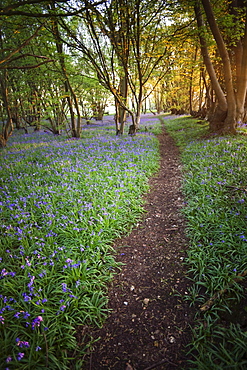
(63, 62)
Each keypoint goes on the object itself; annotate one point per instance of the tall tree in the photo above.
(71, 97)
(232, 95)
(125, 41)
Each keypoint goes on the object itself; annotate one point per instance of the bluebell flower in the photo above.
(25, 314)
(36, 322)
(22, 343)
(20, 356)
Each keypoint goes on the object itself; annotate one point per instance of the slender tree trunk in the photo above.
(158, 100)
(124, 93)
(8, 126)
(71, 99)
(191, 84)
(241, 72)
(138, 115)
(117, 117)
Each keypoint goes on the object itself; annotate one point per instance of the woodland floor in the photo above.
(148, 326)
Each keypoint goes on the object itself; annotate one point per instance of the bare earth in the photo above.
(148, 327)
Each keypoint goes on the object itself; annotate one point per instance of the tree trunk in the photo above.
(117, 117)
(8, 127)
(191, 92)
(228, 126)
(71, 99)
(241, 72)
(123, 87)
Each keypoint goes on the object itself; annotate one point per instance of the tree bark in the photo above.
(216, 120)
(241, 72)
(229, 123)
(121, 112)
(8, 126)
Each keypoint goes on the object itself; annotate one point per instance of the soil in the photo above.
(149, 323)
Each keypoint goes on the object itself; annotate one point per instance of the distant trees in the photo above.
(16, 57)
(38, 79)
(125, 42)
(60, 60)
(212, 70)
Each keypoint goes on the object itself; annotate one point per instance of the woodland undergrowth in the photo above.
(63, 202)
(215, 190)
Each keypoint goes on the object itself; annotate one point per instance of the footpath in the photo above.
(148, 326)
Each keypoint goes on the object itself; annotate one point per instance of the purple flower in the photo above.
(31, 281)
(73, 296)
(20, 356)
(1, 319)
(8, 359)
(64, 287)
(38, 348)
(27, 298)
(4, 272)
(25, 315)
(37, 321)
(22, 343)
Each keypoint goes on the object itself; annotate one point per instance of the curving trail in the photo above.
(149, 323)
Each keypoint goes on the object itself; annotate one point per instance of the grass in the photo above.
(215, 189)
(63, 202)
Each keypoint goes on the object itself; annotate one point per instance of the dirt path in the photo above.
(148, 325)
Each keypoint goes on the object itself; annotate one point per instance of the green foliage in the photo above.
(63, 202)
(231, 21)
(185, 129)
(216, 208)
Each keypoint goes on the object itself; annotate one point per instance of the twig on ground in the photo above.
(236, 188)
(206, 306)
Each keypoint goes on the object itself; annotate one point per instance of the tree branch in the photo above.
(6, 59)
(28, 66)
(26, 2)
(10, 9)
